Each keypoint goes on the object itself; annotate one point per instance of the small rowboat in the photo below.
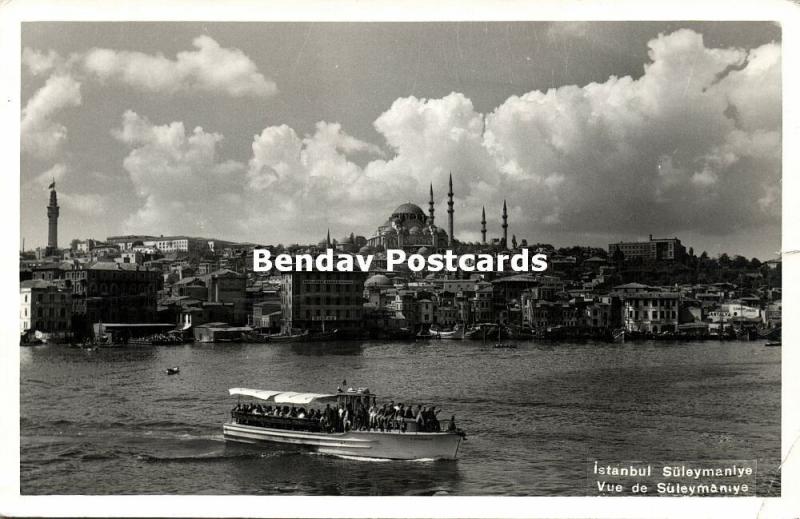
(173, 371)
(404, 441)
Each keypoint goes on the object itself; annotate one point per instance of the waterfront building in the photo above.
(482, 303)
(772, 315)
(378, 291)
(203, 312)
(510, 288)
(651, 312)
(599, 312)
(446, 310)
(539, 315)
(220, 286)
(43, 307)
(655, 249)
(267, 314)
(322, 301)
(113, 292)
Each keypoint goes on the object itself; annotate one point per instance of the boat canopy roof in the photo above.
(283, 397)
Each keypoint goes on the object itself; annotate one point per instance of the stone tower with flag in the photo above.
(52, 222)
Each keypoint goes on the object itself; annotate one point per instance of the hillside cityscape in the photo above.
(157, 289)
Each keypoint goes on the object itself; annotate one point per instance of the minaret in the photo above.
(483, 225)
(430, 208)
(52, 220)
(505, 225)
(450, 239)
(328, 239)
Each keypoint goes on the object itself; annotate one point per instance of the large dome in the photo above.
(409, 212)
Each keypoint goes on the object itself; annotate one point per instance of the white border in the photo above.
(14, 12)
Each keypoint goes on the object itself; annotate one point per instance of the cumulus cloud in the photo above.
(183, 185)
(693, 144)
(209, 68)
(38, 62)
(40, 135)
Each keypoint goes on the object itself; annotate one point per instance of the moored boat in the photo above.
(457, 333)
(292, 337)
(398, 439)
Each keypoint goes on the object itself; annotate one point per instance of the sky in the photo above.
(593, 132)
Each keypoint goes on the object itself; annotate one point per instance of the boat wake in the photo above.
(378, 460)
(208, 457)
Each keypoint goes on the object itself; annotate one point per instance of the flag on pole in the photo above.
(52, 185)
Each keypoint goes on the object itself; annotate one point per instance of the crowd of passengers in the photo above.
(387, 417)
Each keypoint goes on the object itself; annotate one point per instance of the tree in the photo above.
(739, 262)
(73, 245)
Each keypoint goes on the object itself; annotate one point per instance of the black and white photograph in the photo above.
(522, 257)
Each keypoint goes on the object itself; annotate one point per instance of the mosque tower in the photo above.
(483, 225)
(505, 225)
(430, 208)
(450, 239)
(52, 220)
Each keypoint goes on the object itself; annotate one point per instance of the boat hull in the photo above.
(357, 444)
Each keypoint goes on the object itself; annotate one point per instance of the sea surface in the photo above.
(111, 421)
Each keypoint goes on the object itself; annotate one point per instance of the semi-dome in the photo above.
(378, 281)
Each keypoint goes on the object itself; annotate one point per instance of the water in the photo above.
(112, 422)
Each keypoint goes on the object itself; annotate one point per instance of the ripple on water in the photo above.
(533, 416)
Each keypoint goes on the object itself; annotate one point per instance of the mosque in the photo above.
(408, 228)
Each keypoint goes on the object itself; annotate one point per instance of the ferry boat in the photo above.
(402, 441)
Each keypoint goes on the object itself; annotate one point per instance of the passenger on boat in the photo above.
(452, 425)
(373, 417)
(346, 420)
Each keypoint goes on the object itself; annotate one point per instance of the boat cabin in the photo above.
(314, 412)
